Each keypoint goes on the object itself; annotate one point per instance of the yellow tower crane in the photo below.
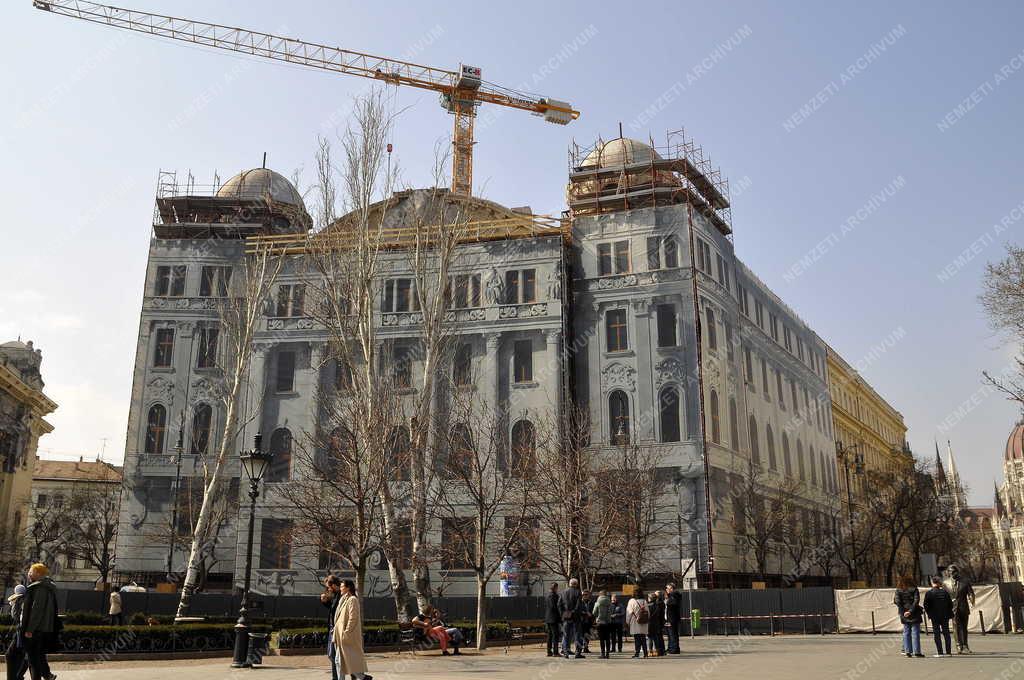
(461, 91)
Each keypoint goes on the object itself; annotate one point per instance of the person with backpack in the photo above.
(638, 618)
(570, 604)
(938, 605)
(906, 601)
(39, 623)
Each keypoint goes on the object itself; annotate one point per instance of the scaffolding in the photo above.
(677, 172)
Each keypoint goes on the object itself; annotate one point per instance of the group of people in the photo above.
(344, 629)
(941, 604)
(572, 616)
(36, 626)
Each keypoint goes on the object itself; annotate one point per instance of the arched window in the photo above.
(399, 450)
(771, 445)
(460, 452)
(524, 442)
(814, 465)
(668, 402)
(281, 447)
(716, 421)
(800, 460)
(786, 462)
(202, 421)
(156, 429)
(618, 417)
(734, 425)
(755, 452)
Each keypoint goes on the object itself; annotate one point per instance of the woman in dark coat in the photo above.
(656, 624)
(553, 620)
(907, 601)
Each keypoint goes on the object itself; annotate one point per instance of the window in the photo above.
(723, 271)
(164, 351)
(524, 442)
(399, 296)
(800, 460)
(770, 438)
(524, 539)
(520, 286)
(778, 389)
(215, 282)
(618, 417)
(792, 393)
(788, 338)
(156, 429)
(202, 421)
(748, 363)
(712, 332)
(662, 251)
(755, 451)
(511, 287)
(814, 465)
(734, 425)
(759, 313)
(744, 301)
(464, 291)
(291, 300)
(773, 323)
(458, 535)
(275, 544)
(703, 256)
(170, 281)
(281, 447)
(615, 326)
(399, 452)
(339, 454)
(729, 353)
(41, 500)
(460, 452)
(523, 361)
(716, 423)
(613, 258)
(800, 347)
(786, 463)
(668, 401)
(207, 354)
(401, 367)
(764, 377)
(462, 366)
(284, 379)
(667, 326)
(342, 375)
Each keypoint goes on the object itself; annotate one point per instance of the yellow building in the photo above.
(870, 434)
(22, 409)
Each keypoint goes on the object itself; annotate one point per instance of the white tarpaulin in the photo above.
(854, 608)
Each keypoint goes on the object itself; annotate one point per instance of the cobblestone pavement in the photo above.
(997, 657)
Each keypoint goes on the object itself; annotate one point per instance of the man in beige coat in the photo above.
(348, 634)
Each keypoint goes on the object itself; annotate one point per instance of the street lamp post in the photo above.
(858, 468)
(254, 463)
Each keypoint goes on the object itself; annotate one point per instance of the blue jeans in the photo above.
(912, 638)
(572, 633)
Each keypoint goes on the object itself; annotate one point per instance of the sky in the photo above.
(873, 152)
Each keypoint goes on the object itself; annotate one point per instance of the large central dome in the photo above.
(261, 183)
(1015, 444)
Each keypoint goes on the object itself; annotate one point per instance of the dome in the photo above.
(14, 344)
(1015, 444)
(619, 152)
(261, 183)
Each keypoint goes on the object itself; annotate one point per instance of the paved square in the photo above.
(998, 657)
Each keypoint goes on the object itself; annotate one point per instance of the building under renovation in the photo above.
(633, 309)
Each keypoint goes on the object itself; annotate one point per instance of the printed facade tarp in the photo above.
(854, 608)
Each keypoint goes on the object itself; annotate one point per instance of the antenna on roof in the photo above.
(620, 129)
(264, 160)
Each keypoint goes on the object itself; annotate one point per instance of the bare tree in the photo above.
(348, 258)
(47, 533)
(761, 515)
(577, 535)
(13, 553)
(636, 502)
(92, 515)
(1002, 299)
(239, 319)
(484, 495)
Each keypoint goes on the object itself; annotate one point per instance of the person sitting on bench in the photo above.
(429, 621)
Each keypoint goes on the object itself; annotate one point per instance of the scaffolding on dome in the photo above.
(676, 172)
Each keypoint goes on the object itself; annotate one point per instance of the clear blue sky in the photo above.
(91, 114)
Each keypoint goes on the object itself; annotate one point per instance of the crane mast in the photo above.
(461, 91)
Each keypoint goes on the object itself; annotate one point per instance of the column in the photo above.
(491, 388)
(641, 347)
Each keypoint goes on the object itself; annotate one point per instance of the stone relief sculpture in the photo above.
(618, 375)
(494, 288)
(161, 389)
(555, 283)
(670, 369)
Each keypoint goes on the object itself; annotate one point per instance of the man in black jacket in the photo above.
(39, 620)
(939, 607)
(673, 614)
(553, 620)
(570, 606)
(330, 599)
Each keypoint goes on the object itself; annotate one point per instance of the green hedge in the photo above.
(108, 641)
(378, 634)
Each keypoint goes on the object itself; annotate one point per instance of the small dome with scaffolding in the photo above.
(261, 183)
(620, 152)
